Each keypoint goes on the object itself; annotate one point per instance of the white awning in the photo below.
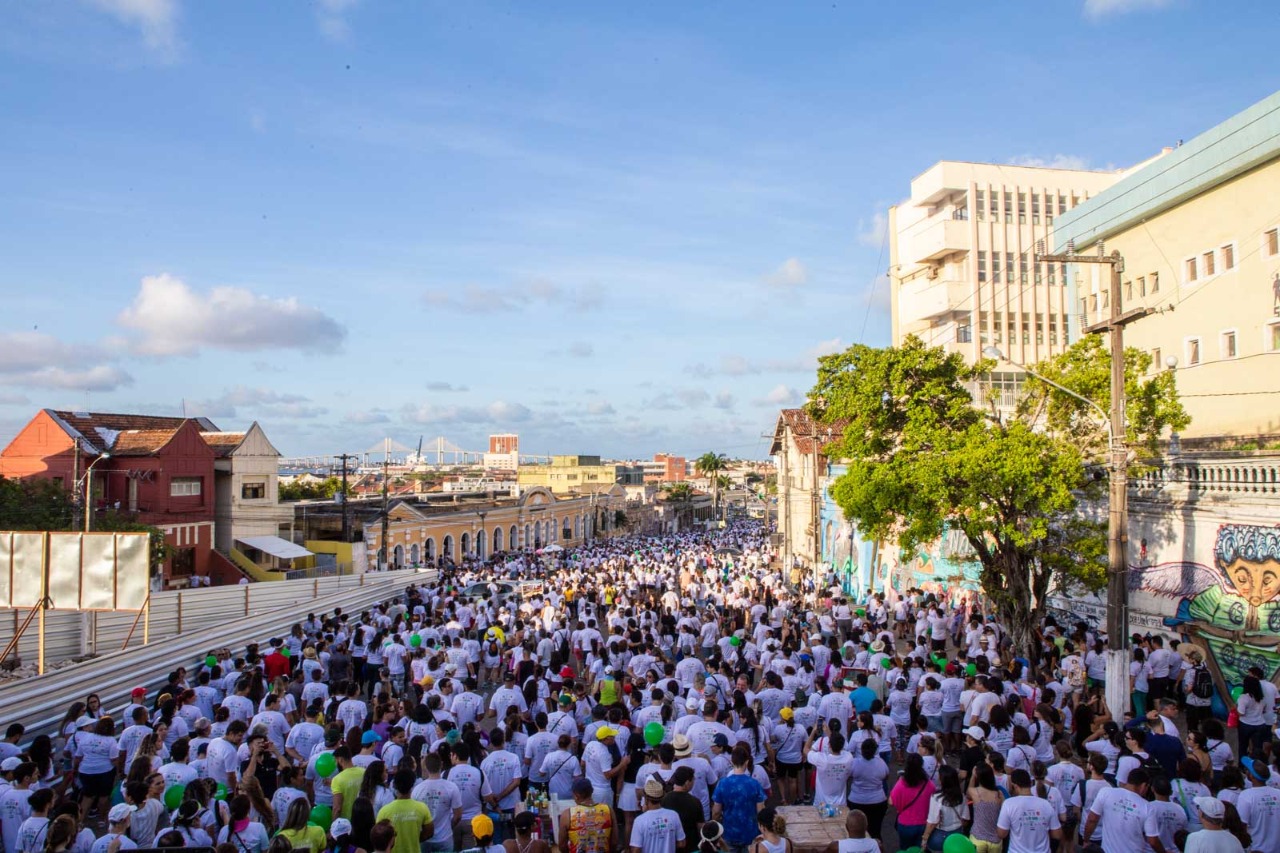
(275, 546)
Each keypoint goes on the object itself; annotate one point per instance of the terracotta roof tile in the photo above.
(99, 427)
(141, 442)
(222, 442)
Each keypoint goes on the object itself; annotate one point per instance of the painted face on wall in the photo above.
(1259, 582)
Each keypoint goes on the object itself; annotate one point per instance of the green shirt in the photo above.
(347, 783)
(309, 838)
(407, 816)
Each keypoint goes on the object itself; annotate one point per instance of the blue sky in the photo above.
(614, 228)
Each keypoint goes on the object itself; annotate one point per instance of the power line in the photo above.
(871, 287)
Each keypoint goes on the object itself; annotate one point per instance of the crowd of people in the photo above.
(659, 694)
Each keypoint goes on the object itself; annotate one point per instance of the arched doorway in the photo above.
(431, 550)
(566, 531)
(480, 543)
(397, 557)
(466, 544)
(497, 540)
(448, 547)
(537, 536)
(513, 538)
(413, 554)
(382, 557)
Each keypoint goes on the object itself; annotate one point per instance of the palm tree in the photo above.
(710, 464)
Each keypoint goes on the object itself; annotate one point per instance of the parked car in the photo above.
(480, 591)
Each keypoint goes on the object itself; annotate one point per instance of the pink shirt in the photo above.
(912, 804)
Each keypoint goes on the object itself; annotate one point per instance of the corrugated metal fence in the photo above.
(71, 634)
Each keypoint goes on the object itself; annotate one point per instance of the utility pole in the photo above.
(346, 514)
(1118, 480)
(386, 519)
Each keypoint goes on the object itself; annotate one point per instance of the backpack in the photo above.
(1202, 687)
(1155, 770)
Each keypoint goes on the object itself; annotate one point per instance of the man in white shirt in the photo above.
(1259, 806)
(501, 769)
(1122, 814)
(1026, 820)
(1214, 838)
(222, 758)
(656, 829)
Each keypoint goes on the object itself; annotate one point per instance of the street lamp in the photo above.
(88, 490)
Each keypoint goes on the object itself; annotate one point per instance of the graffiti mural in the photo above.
(1230, 608)
(944, 564)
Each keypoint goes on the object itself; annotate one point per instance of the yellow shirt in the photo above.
(347, 783)
(590, 828)
(407, 817)
(309, 838)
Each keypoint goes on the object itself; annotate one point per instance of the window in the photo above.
(1209, 268)
(1053, 329)
(1022, 208)
(184, 487)
(1039, 328)
(1190, 267)
(1155, 282)
(1227, 344)
(1228, 257)
(964, 333)
(1155, 361)
(980, 204)
(1271, 242)
(1142, 286)
(1035, 208)
(1128, 291)
(982, 265)
(1008, 208)
(1008, 266)
(1062, 204)
(1026, 329)
(253, 491)
(1193, 351)
(1022, 269)
(1272, 331)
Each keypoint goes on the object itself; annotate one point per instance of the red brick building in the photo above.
(665, 468)
(154, 470)
(505, 443)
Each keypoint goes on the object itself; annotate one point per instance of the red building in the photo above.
(506, 443)
(155, 470)
(669, 469)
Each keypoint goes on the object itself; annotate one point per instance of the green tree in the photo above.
(35, 504)
(709, 465)
(322, 491)
(923, 458)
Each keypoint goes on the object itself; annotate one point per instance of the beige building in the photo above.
(1199, 232)
(568, 474)
(797, 451)
(961, 270)
(246, 490)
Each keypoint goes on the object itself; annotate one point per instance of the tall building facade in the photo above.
(961, 266)
(1199, 232)
(505, 443)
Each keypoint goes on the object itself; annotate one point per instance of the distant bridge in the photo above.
(438, 452)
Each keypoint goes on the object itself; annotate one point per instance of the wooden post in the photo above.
(246, 599)
(315, 588)
(179, 612)
(146, 621)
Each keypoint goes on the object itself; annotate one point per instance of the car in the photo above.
(480, 591)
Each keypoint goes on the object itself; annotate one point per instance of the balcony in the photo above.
(936, 238)
(921, 300)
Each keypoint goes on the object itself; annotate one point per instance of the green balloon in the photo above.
(1236, 692)
(861, 612)
(415, 640)
(958, 842)
(284, 650)
(912, 850)
(735, 641)
(653, 733)
(173, 797)
(886, 663)
(211, 661)
(326, 764)
(221, 793)
(971, 669)
(322, 816)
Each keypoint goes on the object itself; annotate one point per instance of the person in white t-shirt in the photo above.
(1122, 814)
(1029, 822)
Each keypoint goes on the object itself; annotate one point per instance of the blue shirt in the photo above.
(862, 699)
(738, 794)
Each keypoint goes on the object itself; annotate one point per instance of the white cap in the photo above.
(692, 703)
(85, 720)
(120, 811)
(976, 733)
(340, 827)
(1211, 807)
(10, 763)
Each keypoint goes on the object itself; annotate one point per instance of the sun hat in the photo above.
(653, 789)
(877, 646)
(10, 763)
(120, 811)
(683, 747)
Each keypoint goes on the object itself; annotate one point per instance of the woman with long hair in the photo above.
(910, 798)
(773, 833)
(948, 810)
(296, 827)
(186, 822)
(245, 834)
(1107, 741)
(362, 821)
(95, 755)
(1252, 708)
(261, 809)
(867, 777)
(61, 836)
(985, 801)
(374, 786)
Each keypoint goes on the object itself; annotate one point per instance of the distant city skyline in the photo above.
(614, 230)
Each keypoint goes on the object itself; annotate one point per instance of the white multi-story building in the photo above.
(961, 266)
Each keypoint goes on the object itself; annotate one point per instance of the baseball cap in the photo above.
(1211, 807)
(340, 827)
(120, 811)
(10, 763)
(692, 703)
(787, 714)
(565, 699)
(721, 740)
(370, 737)
(976, 733)
(605, 732)
(85, 720)
(566, 672)
(482, 826)
(138, 691)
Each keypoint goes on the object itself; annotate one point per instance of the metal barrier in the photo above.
(40, 702)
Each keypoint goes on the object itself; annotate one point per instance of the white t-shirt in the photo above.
(831, 776)
(859, 845)
(252, 840)
(1122, 818)
(1029, 820)
(1213, 841)
(657, 831)
(1260, 809)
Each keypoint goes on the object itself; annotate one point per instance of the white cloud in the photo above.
(477, 299)
(1101, 8)
(373, 417)
(792, 273)
(262, 401)
(331, 16)
(499, 412)
(446, 387)
(781, 395)
(155, 19)
(724, 400)
(1056, 161)
(38, 360)
(173, 319)
(872, 232)
(505, 412)
(600, 407)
